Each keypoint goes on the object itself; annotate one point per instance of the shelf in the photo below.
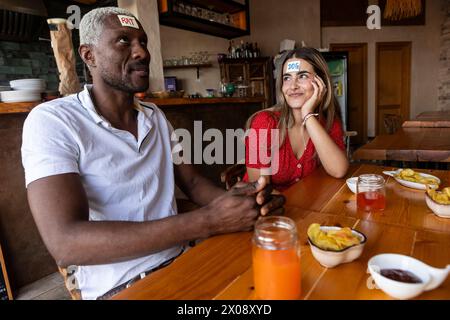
(186, 22)
(227, 6)
(186, 66)
(244, 60)
(172, 17)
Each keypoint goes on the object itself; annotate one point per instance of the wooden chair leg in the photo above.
(70, 283)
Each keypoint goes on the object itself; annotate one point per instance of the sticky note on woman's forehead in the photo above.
(293, 66)
(128, 21)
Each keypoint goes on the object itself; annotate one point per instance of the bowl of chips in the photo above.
(332, 246)
(439, 201)
(412, 179)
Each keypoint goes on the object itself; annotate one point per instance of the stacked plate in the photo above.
(20, 96)
(28, 84)
(24, 90)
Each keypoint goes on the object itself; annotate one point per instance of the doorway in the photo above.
(393, 83)
(357, 88)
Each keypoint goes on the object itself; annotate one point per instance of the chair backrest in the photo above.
(347, 135)
(70, 282)
(392, 122)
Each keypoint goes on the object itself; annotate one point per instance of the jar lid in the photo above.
(275, 233)
(374, 180)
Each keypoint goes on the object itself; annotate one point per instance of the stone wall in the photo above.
(19, 60)
(444, 72)
(28, 60)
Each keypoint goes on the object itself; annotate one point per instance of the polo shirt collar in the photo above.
(86, 102)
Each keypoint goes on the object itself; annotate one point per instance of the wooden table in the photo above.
(221, 268)
(408, 144)
(430, 119)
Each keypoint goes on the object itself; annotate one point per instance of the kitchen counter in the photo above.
(25, 107)
(17, 107)
(200, 101)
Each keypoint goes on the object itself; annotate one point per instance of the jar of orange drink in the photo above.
(276, 259)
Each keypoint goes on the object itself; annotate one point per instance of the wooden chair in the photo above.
(392, 122)
(70, 282)
(347, 136)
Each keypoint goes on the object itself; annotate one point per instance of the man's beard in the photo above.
(122, 84)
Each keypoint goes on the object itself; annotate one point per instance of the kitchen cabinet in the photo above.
(254, 73)
(221, 18)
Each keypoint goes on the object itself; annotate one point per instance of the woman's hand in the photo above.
(317, 96)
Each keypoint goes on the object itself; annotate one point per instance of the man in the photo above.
(100, 177)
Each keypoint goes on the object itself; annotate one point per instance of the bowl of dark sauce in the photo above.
(404, 277)
(400, 275)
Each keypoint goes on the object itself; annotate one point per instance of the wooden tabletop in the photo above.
(221, 267)
(430, 119)
(408, 144)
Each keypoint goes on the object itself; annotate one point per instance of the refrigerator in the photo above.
(338, 65)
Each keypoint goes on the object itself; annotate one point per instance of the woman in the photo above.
(308, 123)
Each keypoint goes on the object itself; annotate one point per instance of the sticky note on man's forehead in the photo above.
(128, 21)
(293, 66)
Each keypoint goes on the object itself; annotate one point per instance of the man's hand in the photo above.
(269, 203)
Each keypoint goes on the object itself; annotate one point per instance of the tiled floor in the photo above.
(48, 288)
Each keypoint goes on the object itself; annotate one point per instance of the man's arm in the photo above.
(198, 188)
(202, 191)
(60, 208)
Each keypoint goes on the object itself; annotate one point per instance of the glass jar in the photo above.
(276, 259)
(371, 193)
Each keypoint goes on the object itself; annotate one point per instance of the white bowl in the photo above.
(20, 96)
(331, 259)
(351, 183)
(431, 277)
(441, 210)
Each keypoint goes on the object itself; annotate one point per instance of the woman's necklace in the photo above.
(303, 138)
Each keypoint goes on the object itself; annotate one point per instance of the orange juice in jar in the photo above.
(276, 259)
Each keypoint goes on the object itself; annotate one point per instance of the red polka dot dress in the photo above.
(290, 169)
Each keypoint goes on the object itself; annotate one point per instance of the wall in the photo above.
(271, 21)
(28, 60)
(425, 56)
(176, 43)
(444, 68)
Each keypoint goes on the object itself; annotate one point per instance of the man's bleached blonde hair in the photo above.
(91, 26)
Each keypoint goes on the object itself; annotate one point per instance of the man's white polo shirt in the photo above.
(125, 179)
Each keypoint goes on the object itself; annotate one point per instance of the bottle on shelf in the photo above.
(230, 49)
(257, 50)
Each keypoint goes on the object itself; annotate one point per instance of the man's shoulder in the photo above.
(57, 106)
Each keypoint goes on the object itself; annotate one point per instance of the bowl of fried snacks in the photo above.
(439, 201)
(332, 246)
(416, 180)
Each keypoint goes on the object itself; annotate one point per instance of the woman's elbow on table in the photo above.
(339, 171)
